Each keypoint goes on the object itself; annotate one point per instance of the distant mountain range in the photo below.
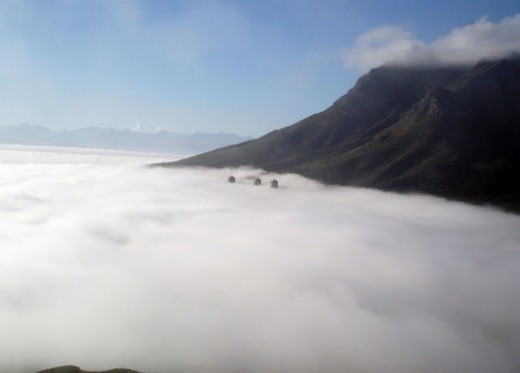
(447, 131)
(106, 138)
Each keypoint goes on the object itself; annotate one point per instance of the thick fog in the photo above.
(105, 263)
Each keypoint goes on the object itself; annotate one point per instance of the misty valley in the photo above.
(109, 263)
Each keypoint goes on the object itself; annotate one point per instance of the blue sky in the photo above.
(245, 67)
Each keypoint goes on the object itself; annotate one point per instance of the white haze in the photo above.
(464, 45)
(104, 263)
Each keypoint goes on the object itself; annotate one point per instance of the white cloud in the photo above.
(463, 45)
(104, 263)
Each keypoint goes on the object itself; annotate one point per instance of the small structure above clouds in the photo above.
(256, 181)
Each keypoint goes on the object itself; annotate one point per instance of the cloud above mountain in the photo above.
(462, 46)
(105, 263)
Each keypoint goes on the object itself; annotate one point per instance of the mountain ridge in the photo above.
(453, 132)
(117, 139)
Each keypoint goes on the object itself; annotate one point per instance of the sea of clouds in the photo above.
(105, 263)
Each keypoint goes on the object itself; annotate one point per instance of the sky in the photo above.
(244, 67)
(105, 263)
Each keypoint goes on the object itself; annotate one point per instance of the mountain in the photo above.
(106, 138)
(447, 131)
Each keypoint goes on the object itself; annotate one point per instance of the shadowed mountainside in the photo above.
(447, 131)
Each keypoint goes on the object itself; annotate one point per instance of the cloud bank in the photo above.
(104, 263)
(465, 45)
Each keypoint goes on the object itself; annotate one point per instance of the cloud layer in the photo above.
(463, 45)
(104, 263)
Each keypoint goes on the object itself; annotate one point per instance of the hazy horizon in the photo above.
(137, 140)
(106, 263)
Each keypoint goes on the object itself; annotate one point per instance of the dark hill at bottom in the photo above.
(75, 369)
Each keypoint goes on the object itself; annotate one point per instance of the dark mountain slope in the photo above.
(374, 101)
(450, 132)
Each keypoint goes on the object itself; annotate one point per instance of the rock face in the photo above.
(451, 132)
